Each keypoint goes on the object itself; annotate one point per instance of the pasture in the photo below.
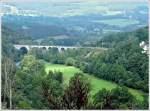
(118, 22)
(96, 83)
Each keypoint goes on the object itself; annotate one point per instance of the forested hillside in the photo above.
(113, 39)
(125, 55)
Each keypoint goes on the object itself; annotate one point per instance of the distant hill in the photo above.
(80, 22)
(93, 24)
(13, 37)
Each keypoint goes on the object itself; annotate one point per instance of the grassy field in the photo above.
(97, 84)
(118, 22)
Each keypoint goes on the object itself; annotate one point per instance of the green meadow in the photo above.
(96, 83)
(118, 22)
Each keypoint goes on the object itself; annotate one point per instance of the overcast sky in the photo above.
(75, 0)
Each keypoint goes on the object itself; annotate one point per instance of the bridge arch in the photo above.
(62, 49)
(23, 50)
(49, 48)
(44, 48)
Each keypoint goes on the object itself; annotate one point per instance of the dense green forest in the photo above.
(27, 86)
(123, 64)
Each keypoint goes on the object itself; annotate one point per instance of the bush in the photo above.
(70, 62)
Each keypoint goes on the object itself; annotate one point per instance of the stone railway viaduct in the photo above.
(60, 48)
